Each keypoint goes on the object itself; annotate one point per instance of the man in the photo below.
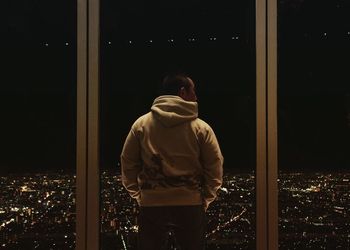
(172, 165)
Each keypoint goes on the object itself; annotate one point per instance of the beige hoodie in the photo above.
(171, 157)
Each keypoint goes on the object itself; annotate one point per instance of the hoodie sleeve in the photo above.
(131, 165)
(212, 161)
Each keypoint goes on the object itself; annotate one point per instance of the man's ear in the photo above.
(182, 92)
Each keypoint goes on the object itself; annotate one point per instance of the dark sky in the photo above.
(39, 91)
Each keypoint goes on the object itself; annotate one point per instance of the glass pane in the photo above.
(38, 124)
(314, 124)
(215, 44)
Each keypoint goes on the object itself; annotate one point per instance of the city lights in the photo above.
(50, 211)
(201, 40)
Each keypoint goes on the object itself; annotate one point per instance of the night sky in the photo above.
(212, 41)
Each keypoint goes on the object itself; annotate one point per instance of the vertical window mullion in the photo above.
(261, 174)
(81, 140)
(272, 188)
(87, 220)
(93, 187)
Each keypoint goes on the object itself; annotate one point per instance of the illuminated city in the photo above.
(229, 48)
(38, 212)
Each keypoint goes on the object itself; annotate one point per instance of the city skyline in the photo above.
(39, 211)
(214, 42)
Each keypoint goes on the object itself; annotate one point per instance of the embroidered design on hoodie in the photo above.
(154, 177)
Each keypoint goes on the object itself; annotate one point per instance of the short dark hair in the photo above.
(173, 82)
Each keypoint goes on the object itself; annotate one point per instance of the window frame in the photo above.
(88, 181)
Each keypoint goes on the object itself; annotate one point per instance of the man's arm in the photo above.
(212, 161)
(131, 165)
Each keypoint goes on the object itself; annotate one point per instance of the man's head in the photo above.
(180, 85)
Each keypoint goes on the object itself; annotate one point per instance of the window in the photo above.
(139, 43)
(38, 95)
(313, 119)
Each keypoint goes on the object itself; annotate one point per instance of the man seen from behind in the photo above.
(172, 165)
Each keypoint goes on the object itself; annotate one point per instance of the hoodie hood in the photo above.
(172, 110)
